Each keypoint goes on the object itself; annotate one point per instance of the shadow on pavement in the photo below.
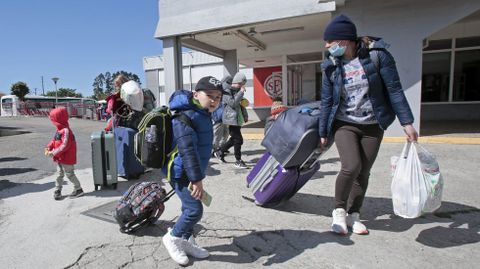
(464, 227)
(278, 245)
(11, 159)
(253, 152)
(22, 188)
(15, 171)
(212, 171)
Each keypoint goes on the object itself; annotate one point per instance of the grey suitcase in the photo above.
(104, 164)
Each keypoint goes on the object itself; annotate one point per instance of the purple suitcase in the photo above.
(271, 183)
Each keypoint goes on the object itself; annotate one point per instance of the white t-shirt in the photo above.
(355, 106)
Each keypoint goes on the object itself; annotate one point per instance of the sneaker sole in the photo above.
(180, 263)
(364, 232)
(198, 256)
(75, 196)
(338, 230)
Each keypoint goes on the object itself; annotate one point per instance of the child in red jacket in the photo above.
(63, 150)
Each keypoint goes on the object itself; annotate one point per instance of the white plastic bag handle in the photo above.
(406, 150)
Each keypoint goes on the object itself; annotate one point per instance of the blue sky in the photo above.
(74, 40)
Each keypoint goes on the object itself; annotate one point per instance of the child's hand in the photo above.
(197, 190)
(50, 154)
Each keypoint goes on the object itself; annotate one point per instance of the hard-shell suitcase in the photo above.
(104, 164)
(272, 184)
(127, 164)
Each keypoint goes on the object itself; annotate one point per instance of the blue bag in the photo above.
(218, 113)
(127, 164)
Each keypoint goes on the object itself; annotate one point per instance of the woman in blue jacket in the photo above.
(361, 95)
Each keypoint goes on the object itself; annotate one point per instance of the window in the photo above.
(467, 42)
(466, 82)
(435, 77)
(438, 44)
(439, 68)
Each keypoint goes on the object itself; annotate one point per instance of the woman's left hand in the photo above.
(412, 135)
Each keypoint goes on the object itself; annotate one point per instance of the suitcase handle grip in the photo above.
(108, 160)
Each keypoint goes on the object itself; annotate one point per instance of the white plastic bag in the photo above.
(132, 94)
(417, 183)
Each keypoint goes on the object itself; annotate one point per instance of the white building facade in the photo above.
(436, 44)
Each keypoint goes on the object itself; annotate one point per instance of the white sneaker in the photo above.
(174, 246)
(194, 250)
(339, 224)
(353, 220)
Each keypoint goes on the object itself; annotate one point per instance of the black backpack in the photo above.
(153, 146)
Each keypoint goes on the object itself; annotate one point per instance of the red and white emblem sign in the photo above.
(273, 85)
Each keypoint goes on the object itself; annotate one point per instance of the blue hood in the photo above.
(181, 100)
(377, 43)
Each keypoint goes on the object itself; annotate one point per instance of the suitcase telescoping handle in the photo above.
(107, 154)
(102, 150)
(169, 195)
(314, 155)
(270, 165)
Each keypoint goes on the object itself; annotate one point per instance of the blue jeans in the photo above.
(192, 210)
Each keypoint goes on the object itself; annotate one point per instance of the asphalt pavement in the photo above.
(38, 232)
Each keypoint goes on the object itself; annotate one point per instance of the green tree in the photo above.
(103, 83)
(20, 89)
(64, 92)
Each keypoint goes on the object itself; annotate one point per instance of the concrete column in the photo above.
(172, 53)
(230, 63)
(284, 80)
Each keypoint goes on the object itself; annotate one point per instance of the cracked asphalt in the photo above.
(39, 232)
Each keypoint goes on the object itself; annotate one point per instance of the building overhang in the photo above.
(259, 31)
(179, 19)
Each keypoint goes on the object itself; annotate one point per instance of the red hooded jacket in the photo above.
(63, 145)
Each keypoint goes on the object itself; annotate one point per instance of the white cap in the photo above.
(132, 95)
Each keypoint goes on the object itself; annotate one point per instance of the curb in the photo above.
(438, 140)
(402, 139)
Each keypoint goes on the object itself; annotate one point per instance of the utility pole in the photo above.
(55, 79)
(43, 89)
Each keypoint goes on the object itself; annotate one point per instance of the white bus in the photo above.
(10, 105)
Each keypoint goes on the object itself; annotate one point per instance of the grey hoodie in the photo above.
(231, 100)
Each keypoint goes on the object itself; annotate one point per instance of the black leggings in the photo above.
(358, 147)
(235, 140)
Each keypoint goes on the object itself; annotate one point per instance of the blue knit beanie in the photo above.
(340, 28)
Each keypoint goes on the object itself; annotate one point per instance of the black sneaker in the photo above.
(57, 195)
(76, 193)
(240, 164)
(220, 156)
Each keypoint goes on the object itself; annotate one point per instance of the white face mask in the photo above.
(336, 50)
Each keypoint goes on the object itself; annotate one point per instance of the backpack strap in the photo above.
(187, 121)
(184, 119)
